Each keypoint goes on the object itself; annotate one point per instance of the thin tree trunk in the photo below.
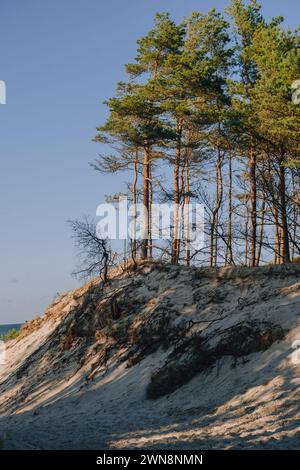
(246, 237)
(253, 204)
(216, 221)
(181, 206)
(277, 237)
(186, 204)
(262, 221)
(146, 200)
(175, 247)
(134, 200)
(150, 214)
(213, 252)
(229, 255)
(285, 254)
(295, 218)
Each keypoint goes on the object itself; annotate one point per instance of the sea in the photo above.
(5, 328)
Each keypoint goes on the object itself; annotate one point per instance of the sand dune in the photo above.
(163, 358)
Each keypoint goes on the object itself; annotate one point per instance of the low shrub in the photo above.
(194, 356)
(9, 335)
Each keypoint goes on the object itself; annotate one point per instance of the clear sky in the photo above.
(60, 59)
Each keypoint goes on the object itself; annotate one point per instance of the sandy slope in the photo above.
(77, 377)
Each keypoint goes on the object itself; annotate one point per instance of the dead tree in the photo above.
(95, 255)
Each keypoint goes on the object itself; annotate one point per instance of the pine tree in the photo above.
(214, 107)
(247, 19)
(277, 55)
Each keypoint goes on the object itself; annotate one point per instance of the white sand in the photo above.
(46, 401)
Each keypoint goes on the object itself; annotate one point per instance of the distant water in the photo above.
(5, 328)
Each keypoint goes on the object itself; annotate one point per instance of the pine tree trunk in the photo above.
(134, 200)
(246, 237)
(229, 254)
(211, 241)
(182, 168)
(262, 220)
(146, 200)
(295, 218)
(253, 204)
(186, 203)
(150, 214)
(175, 244)
(285, 254)
(213, 252)
(277, 247)
(216, 221)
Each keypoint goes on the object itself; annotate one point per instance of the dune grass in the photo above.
(9, 335)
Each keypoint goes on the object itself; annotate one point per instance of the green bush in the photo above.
(10, 334)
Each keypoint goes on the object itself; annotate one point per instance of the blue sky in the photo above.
(60, 60)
